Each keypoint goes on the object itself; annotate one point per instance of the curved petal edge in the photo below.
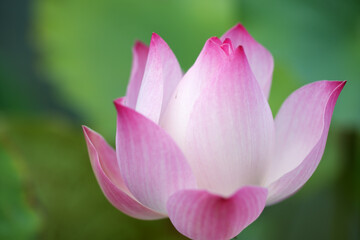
(199, 214)
(302, 126)
(207, 66)
(151, 164)
(140, 55)
(161, 76)
(260, 59)
(104, 164)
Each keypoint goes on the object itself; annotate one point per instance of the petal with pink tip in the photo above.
(231, 130)
(199, 215)
(207, 66)
(302, 126)
(161, 76)
(260, 59)
(104, 163)
(140, 54)
(152, 166)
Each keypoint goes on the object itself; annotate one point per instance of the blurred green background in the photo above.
(62, 62)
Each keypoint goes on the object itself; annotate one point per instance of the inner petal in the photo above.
(229, 139)
(227, 46)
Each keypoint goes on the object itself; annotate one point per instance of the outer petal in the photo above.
(140, 54)
(207, 66)
(104, 164)
(152, 166)
(201, 215)
(302, 126)
(231, 130)
(260, 59)
(162, 74)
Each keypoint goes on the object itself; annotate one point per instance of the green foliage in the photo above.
(17, 218)
(69, 200)
(314, 40)
(10, 91)
(86, 45)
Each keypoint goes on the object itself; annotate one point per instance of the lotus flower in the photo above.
(203, 148)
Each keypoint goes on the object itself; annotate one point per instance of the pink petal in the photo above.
(140, 54)
(162, 74)
(152, 166)
(302, 126)
(231, 130)
(207, 66)
(199, 215)
(260, 59)
(104, 164)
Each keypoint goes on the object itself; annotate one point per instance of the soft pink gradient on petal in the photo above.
(140, 54)
(260, 59)
(207, 66)
(204, 148)
(104, 163)
(161, 76)
(151, 164)
(201, 215)
(302, 126)
(231, 130)
(227, 46)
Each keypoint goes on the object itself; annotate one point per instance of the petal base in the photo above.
(199, 214)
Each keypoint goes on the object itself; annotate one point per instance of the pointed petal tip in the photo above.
(342, 83)
(306, 139)
(213, 43)
(104, 164)
(119, 103)
(340, 86)
(139, 45)
(155, 38)
(240, 56)
(337, 82)
(259, 58)
(156, 41)
(238, 27)
(227, 40)
(215, 40)
(334, 86)
(87, 131)
(140, 55)
(240, 51)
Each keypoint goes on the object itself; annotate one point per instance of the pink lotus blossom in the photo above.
(203, 148)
